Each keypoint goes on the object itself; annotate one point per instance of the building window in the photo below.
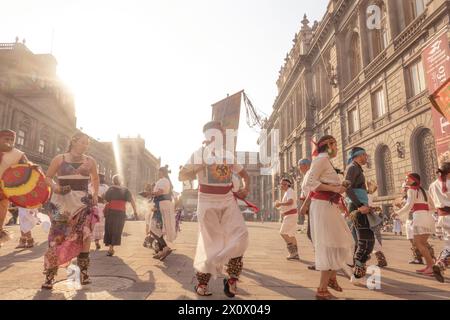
(426, 156)
(20, 138)
(385, 172)
(379, 104)
(418, 7)
(41, 149)
(355, 56)
(380, 36)
(416, 78)
(353, 121)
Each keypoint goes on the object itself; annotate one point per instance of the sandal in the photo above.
(49, 278)
(165, 253)
(110, 253)
(324, 295)
(202, 290)
(333, 284)
(438, 274)
(22, 243)
(30, 243)
(229, 287)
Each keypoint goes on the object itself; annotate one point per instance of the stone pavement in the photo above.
(133, 274)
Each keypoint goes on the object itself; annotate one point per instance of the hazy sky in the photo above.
(155, 67)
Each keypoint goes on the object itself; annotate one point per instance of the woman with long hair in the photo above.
(72, 209)
(163, 224)
(423, 225)
(332, 239)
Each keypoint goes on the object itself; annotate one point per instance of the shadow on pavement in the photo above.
(111, 279)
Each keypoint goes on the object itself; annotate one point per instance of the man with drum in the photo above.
(9, 156)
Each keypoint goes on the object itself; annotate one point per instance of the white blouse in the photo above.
(163, 184)
(321, 172)
(440, 198)
(413, 197)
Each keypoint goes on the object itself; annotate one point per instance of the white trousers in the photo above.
(223, 234)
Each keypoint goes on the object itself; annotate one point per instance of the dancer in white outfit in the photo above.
(423, 224)
(440, 194)
(289, 213)
(331, 236)
(223, 235)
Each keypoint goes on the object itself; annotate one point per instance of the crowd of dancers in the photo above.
(344, 226)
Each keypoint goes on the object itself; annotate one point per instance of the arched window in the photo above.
(354, 56)
(385, 172)
(426, 161)
(380, 36)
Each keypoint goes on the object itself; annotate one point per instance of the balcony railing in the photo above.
(410, 31)
(351, 86)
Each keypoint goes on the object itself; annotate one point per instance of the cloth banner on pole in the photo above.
(228, 112)
(436, 63)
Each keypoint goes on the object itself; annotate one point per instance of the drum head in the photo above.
(25, 186)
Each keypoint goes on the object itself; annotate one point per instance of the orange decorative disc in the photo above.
(25, 186)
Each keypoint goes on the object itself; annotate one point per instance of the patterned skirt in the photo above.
(73, 219)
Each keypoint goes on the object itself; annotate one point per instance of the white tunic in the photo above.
(289, 224)
(423, 222)
(10, 158)
(441, 200)
(167, 208)
(331, 236)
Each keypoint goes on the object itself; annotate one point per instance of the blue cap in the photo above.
(304, 161)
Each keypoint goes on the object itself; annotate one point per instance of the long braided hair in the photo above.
(416, 183)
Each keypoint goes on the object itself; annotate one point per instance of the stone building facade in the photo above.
(138, 165)
(36, 104)
(363, 84)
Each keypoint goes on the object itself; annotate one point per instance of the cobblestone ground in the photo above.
(133, 274)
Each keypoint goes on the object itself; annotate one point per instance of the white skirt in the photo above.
(423, 223)
(27, 219)
(168, 217)
(223, 234)
(331, 236)
(409, 230)
(289, 225)
(397, 226)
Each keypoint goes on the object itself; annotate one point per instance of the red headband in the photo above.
(414, 179)
(7, 133)
(318, 145)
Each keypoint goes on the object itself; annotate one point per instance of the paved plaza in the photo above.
(133, 274)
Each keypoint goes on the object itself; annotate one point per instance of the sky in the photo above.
(154, 68)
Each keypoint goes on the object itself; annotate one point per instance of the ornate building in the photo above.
(139, 166)
(363, 83)
(36, 104)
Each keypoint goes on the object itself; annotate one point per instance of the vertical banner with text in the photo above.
(436, 61)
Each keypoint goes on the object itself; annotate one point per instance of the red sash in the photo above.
(420, 207)
(203, 188)
(292, 211)
(442, 212)
(118, 205)
(333, 197)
